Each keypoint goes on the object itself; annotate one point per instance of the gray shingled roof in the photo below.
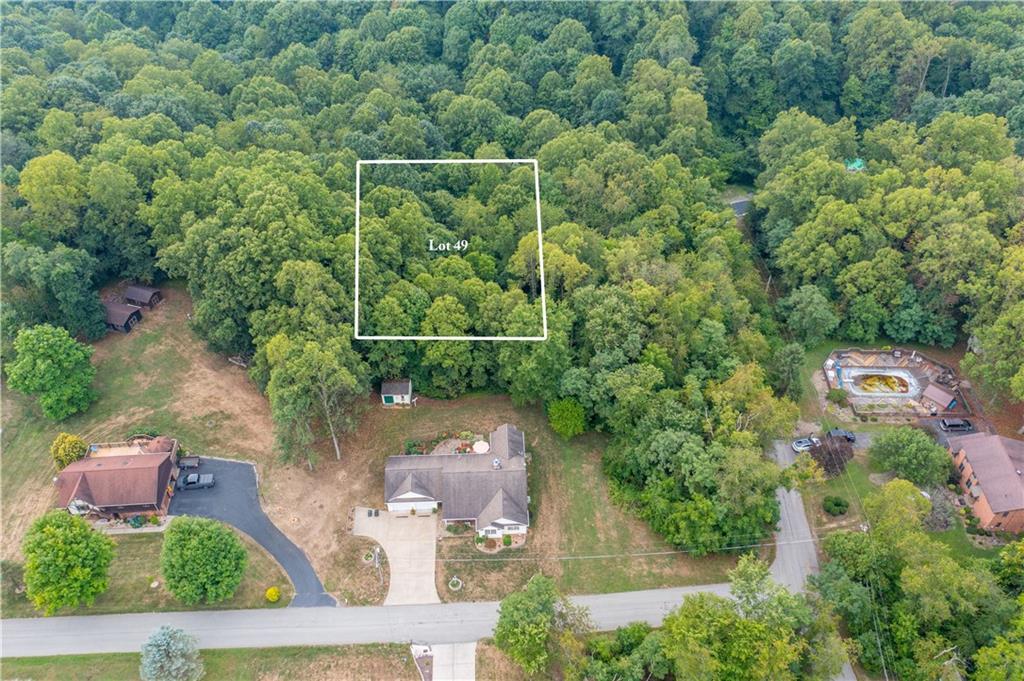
(468, 486)
(402, 386)
(995, 461)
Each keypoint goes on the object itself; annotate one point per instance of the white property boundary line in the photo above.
(540, 246)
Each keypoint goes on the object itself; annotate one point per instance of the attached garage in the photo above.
(407, 506)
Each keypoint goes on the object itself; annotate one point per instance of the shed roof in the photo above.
(401, 386)
(140, 292)
(110, 481)
(467, 485)
(996, 461)
(119, 313)
(937, 394)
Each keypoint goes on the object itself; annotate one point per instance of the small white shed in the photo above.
(396, 393)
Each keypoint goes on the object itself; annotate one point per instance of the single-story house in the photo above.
(938, 398)
(122, 317)
(396, 393)
(991, 470)
(486, 490)
(121, 479)
(142, 296)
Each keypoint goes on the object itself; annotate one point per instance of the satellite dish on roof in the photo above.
(481, 447)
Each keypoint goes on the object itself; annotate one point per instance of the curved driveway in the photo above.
(235, 501)
(795, 558)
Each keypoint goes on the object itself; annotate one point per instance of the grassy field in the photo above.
(342, 663)
(855, 485)
(136, 566)
(157, 377)
(578, 536)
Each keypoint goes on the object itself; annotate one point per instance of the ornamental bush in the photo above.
(170, 655)
(835, 506)
(273, 594)
(66, 449)
(202, 560)
(566, 418)
(506, 540)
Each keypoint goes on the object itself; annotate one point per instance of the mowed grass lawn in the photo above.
(578, 535)
(855, 485)
(161, 378)
(342, 663)
(136, 566)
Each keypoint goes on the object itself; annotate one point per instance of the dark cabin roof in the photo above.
(111, 481)
(140, 292)
(468, 486)
(401, 386)
(119, 313)
(937, 394)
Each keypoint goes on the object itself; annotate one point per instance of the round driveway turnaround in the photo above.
(235, 500)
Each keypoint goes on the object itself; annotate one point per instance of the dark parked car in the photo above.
(956, 425)
(196, 481)
(840, 434)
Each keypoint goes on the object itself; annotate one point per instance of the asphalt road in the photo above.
(444, 623)
(235, 500)
(795, 558)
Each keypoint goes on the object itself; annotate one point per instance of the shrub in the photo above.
(490, 544)
(136, 521)
(478, 539)
(835, 506)
(273, 594)
(566, 418)
(838, 396)
(202, 560)
(170, 655)
(506, 540)
(154, 520)
(66, 562)
(66, 449)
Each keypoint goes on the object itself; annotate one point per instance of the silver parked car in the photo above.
(805, 443)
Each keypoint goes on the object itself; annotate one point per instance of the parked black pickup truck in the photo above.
(195, 481)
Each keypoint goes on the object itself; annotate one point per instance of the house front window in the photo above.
(490, 531)
(512, 528)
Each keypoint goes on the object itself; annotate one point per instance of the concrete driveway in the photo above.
(454, 661)
(235, 501)
(410, 542)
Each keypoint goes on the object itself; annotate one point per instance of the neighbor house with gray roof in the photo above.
(485, 490)
(991, 472)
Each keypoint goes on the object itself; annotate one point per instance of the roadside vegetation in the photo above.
(314, 663)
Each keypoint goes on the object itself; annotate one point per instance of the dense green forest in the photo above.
(216, 143)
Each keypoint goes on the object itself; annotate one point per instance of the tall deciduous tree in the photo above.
(66, 562)
(55, 368)
(202, 560)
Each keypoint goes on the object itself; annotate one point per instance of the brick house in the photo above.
(991, 471)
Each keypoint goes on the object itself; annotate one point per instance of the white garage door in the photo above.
(406, 506)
